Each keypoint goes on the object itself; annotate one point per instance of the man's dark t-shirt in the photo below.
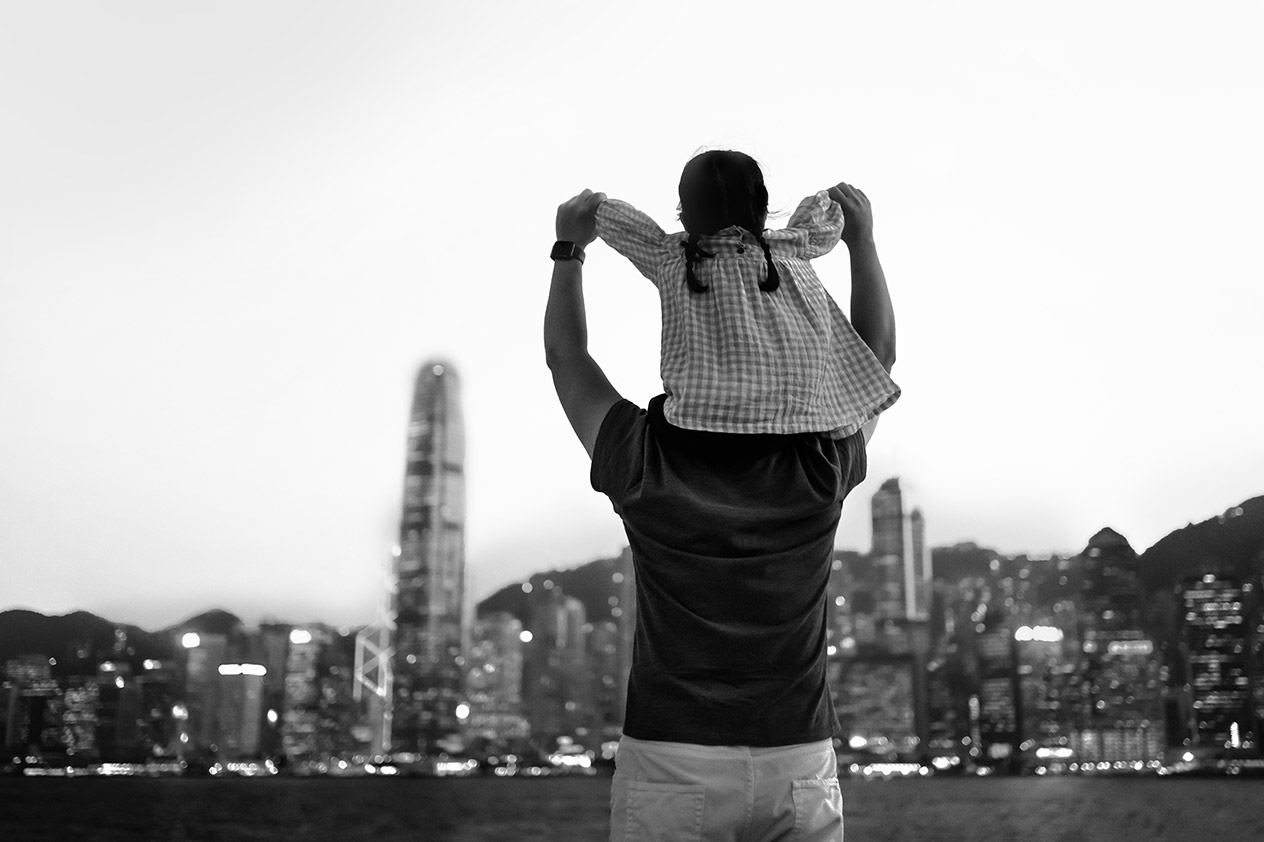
(731, 539)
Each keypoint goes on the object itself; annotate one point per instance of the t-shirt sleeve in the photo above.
(817, 224)
(854, 459)
(617, 452)
(632, 234)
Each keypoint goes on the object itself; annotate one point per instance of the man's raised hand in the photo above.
(857, 213)
(577, 218)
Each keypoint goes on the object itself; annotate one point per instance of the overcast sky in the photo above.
(231, 232)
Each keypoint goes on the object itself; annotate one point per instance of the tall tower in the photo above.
(900, 554)
(426, 663)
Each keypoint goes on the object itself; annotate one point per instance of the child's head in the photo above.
(720, 188)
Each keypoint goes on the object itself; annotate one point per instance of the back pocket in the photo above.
(664, 812)
(818, 810)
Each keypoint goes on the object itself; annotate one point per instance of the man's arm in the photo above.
(585, 393)
(871, 312)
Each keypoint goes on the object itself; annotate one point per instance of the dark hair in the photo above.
(720, 188)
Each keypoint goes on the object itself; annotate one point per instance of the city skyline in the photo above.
(1064, 665)
(230, 236)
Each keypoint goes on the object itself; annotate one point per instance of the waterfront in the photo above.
(938, 809)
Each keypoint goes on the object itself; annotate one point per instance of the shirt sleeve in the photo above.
(854, 455)
(617, 452)
(817, 225)
(632, 234)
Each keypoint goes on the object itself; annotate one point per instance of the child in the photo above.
(751, 341)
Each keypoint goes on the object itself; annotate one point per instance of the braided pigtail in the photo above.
(773, 280)
(694, 252)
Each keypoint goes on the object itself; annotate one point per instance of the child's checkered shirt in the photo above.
(739, 360)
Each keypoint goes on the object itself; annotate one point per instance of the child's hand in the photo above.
(857, 213)
(577, 218)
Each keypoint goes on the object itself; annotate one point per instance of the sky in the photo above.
(231, 233)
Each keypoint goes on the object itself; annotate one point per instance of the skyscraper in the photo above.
(900, 554)
(1116, 713)
(430, 568)
(1216, 648)
(494, 681)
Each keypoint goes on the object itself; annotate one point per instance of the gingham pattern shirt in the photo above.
(739, 360)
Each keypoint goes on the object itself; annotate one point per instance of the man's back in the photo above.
(731, 538)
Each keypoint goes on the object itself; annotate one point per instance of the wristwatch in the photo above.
(566, 250)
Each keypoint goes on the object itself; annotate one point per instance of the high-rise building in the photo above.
(605, 676)
(900, 554)
(997, 707)
(556, 681)
(494, 681)
(1216, 646)
(1116, 716)
(32, 715)
(885, 646)
(430, 569)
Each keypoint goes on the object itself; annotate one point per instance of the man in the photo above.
(729, 725)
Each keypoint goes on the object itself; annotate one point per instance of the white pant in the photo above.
(679, 792)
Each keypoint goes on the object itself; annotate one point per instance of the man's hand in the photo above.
(857, 214)
(577, 218)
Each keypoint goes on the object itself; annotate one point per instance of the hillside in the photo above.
(1232, 543)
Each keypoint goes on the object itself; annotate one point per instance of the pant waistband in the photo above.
(725, 752)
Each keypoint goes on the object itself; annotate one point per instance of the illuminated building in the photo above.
(32, 715)
(319, 716)
(79, 716)
(494, 681)
(118, 712)
(605, 676)
(875, 705)
(556, 688)
(1216, 646)
(156, 684)
(997, 712)
(1046, 663)
(427, 657)
(240, 710)
(948, 684)
(1115, 710)
(201, 654)
(882, 632)
(300, 717)
(901, 554)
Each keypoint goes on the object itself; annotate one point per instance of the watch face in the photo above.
(564, 251)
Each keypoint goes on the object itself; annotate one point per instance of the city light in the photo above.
(242, 669)
(1059, 753)
(462, 711)
(1129, 647)
(1040, 634)
(300, 636)
(525, 636)
(190, 640)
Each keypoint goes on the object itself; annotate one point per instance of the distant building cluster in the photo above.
(988, 664)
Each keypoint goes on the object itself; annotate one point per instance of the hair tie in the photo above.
(693, 252)
(773, 280)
